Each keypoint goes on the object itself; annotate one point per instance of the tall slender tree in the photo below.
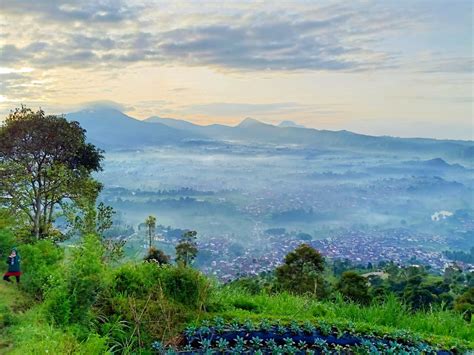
(186, 249)
(151, 227)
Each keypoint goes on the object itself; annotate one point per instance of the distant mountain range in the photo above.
(111, 129)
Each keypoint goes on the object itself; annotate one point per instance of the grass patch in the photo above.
(436, 326)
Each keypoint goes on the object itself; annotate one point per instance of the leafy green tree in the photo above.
(151, 227)
(416, 293)
(354, 287)
(302, 271)
(465, 304)
(45, 164)
(186, 249)
(452, 273)
(339, 266)
(92, 220)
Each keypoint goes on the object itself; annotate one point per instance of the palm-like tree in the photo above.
(151, 225)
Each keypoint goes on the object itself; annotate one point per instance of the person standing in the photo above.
(13, 262)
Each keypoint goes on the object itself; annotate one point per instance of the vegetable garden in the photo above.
(265, 337)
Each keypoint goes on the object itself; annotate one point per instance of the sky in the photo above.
(400, 68)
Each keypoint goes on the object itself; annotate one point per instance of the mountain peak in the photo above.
(249, 122)
(287, 123)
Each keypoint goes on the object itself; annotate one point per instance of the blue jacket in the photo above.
(14, 264)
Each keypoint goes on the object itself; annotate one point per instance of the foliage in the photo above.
(7, 242)
(157, 256)
(71, 297)
(465, 304)
(45, 160)
(89, 305)
(234, 336)
(91, 219)
(461, 255)
(301, 272)
(186, 249)
(185, 286)
(391, 314)
(40, 264)
(152, 302)
(150, 223)
(354, 287)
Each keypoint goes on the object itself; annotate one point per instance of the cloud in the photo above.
(331, 39)
(341, 37)
(439, 64)
(90, 11)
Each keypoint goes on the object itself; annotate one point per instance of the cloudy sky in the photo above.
(378, 67)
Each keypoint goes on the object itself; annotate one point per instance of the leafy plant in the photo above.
(222, 344)
(265, 325)
(324, 328)
(248, 324)
(205, 343)
(256, 342)
(308, 327)
(281, 329)
(295, 328)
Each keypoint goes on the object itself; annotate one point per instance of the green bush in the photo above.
(184, 285)
(85, 277)
(134, 279)
(7, 242)
(76, 290)
(465, 304)
(39, 263)
(58, 305)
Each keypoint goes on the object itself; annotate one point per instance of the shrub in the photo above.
(134, 279)
(76, 290)
(7, 242)
(58, 305)
(39, 262)
(465, 304)
(185, 285)
(85, 277)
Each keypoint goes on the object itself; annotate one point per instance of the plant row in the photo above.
(264, 337)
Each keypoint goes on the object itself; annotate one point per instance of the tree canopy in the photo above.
(354, 287)
(186, 249)
(302, 271)
(45, 166)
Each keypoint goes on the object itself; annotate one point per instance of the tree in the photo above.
(302, 271)
(354, 287)
(151, 226)
(418, 297)
(45, 164)
(186, 249)
(92, 220)
(465, 304)
(157, 256)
